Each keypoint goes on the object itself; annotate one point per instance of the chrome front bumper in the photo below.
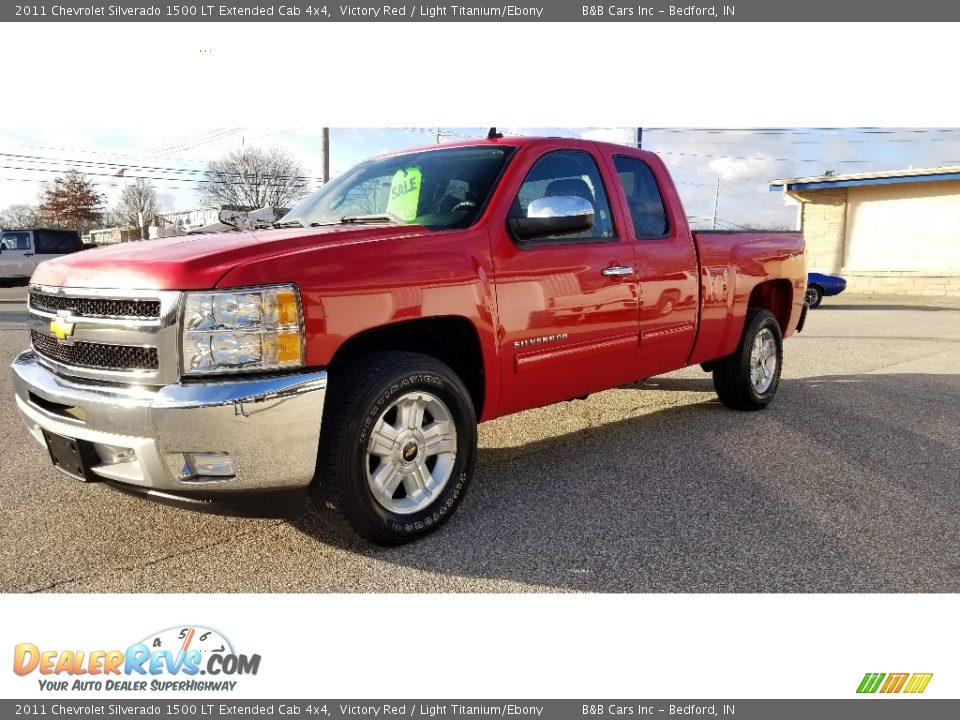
(269, 426)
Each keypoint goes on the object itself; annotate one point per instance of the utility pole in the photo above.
(326, 155)
(716, 199)
(639, 138)
(439, 135)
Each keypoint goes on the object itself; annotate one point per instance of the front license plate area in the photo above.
(68, 455)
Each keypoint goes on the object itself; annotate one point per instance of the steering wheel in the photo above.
(463, 205)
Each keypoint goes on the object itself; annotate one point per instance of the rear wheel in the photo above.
(813, 296)
(397, 446)
(748, 379)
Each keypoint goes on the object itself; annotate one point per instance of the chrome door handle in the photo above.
(617, 271)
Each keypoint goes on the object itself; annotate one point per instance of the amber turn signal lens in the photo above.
(288, 347)
(287, 311)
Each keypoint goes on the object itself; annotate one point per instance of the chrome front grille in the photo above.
(122, 335)
(95, 355)
(97, 307)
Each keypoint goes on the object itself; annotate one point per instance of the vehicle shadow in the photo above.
(845, 484)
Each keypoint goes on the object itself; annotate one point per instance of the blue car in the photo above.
(819, 285)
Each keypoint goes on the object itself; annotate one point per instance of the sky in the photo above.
(741, 160)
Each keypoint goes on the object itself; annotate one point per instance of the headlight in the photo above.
(246, 330)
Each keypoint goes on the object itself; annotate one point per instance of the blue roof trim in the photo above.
(898, 180)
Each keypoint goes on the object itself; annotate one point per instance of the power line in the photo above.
(851, 136)
(729, 178)
(767, 158)
(874, 143)
(805, 131)
(272, 179)
(101, 153)
(215, 136)
(96, 164)
(730, 225)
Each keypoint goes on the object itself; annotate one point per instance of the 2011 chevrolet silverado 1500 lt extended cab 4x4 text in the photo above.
(353, 348)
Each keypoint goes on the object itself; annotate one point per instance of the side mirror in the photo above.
(558, 215)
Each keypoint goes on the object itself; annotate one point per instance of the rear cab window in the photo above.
(56, 242)
(644, 201)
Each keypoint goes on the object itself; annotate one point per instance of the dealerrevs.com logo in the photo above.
(176, 659)
(892, 683)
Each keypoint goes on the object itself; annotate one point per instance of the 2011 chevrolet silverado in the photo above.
(352, 348)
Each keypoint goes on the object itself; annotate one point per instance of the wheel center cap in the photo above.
(410, 451)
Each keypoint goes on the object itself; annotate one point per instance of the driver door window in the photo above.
(568, 172)
(15, 241)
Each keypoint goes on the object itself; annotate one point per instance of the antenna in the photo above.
(493, 134)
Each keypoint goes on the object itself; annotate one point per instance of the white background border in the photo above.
(522, 646)
(697, 75)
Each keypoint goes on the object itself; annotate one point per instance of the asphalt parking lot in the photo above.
(849, 482)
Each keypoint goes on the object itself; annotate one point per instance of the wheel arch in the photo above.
(775, 296)
(451, 339)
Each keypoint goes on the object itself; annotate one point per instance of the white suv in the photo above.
(22, 250)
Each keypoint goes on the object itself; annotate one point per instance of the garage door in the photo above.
(912, 226)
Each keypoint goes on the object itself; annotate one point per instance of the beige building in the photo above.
(885, 232)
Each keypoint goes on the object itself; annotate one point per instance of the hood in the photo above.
(197, 262)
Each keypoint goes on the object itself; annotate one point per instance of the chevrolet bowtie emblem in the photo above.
(61, 328)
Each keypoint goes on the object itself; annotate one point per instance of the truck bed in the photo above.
(733, 264)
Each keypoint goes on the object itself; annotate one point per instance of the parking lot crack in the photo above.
(155, 561)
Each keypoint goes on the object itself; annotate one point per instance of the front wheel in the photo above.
(397, 446)
(748, 379)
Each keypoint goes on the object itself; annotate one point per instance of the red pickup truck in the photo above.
(353, 348)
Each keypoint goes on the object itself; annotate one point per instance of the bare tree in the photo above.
(138, 207)
(18, 216)
(71, 201)
(253, 178)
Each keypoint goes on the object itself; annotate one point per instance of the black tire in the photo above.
(813, 297)
(732, 375)
(360, 396)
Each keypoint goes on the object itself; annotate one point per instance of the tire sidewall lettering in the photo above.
(384, 398)
(433, 516)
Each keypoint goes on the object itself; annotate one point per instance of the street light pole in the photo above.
(716, 200)
(326, 155)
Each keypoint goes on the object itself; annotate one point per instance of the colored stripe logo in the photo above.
(914, 683)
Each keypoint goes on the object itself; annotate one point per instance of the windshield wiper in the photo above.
(299, 224)
(376, 219)
(380, 219)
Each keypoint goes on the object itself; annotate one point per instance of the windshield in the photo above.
(444, 188)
